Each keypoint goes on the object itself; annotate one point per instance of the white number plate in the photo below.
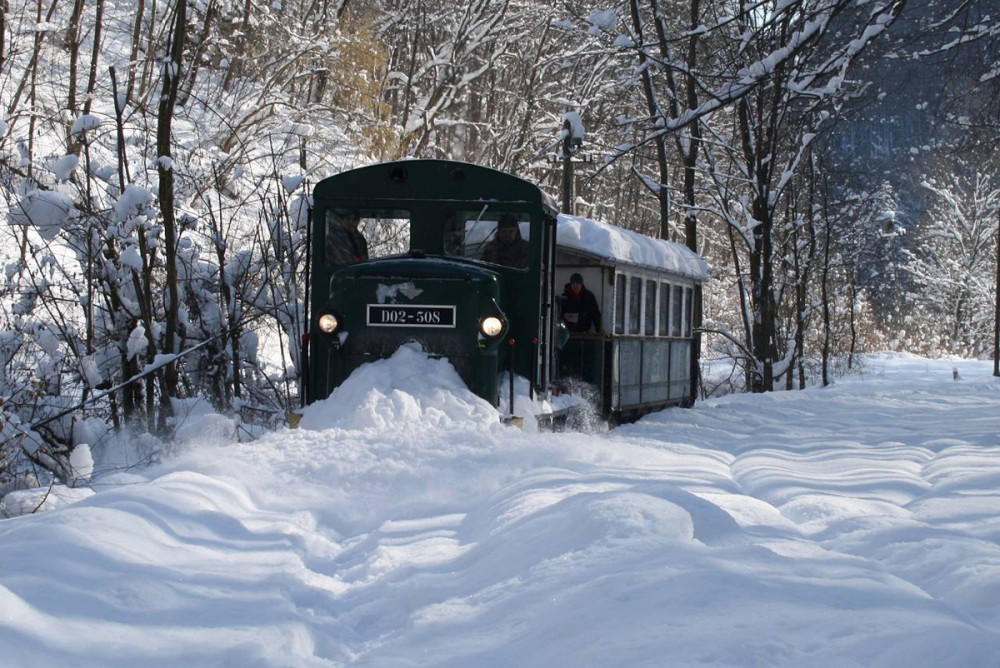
(397, 315)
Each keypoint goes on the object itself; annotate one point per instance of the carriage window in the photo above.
(688, 312)
(650, 308)
(664, 309)
(358, 235)
(676, 313)
(634, 304)
(620, 304)
(497, 237)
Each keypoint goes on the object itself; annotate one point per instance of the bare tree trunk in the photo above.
(825, 291)
(653, 106)
(231, 336)
(133, 58)
(236, 68)
(854, 326)
(806, 275)
(210, 13)
(761, 252)
(956, 329)
(4, 11)
(131, 394)
(744, 307)
(164, 168)
(145, 80)
(811, 222)
(30, 73)
(996, 324)
(408, 89)
(123, 171)
(762, 282)
(91, 251)
(797, 319)
(92, 79)
(531, 104)
(694, 139)
(32, 93)
(73, 46)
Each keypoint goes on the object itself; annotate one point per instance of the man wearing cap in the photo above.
(579, 307)
(344, 242)
(509, 247)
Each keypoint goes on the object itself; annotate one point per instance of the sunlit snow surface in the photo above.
(852, 526)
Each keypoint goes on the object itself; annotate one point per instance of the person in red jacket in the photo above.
(579, 307)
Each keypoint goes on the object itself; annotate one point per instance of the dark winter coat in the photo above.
(580, 311)
(345, 246)
(515, 254)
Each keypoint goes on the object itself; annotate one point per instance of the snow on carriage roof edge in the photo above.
(608, 241)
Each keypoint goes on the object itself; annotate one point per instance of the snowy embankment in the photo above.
(856, 525)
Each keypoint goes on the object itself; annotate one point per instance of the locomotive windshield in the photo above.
(355, 235)
(497, 237)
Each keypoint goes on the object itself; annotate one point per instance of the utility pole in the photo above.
(568, 192)
(571, 137)
(572, 141)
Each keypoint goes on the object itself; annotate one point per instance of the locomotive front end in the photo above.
(449, 308)
(454, 257)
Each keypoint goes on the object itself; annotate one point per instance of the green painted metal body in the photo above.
(429, 191)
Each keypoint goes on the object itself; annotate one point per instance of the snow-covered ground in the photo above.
(402, 526)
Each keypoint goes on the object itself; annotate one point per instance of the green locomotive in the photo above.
(465, 260)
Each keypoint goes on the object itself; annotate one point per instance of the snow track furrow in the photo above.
(855, 525)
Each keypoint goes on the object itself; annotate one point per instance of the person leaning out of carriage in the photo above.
(579, 307)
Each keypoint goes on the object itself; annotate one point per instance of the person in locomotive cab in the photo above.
(579, 307)
(454, 234)
(344, 242)
(508, 248)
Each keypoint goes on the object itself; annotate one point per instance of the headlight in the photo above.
(328, 323)
(491, 326)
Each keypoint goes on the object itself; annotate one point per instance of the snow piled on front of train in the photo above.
(408, 387)
(413, 388)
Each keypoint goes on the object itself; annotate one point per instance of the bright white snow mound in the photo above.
(408, 388)
(851, 526)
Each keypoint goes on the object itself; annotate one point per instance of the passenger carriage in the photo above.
(647, 289)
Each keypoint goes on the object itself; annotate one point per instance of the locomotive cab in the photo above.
(455, 257)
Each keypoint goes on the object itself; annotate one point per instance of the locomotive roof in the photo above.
(420, 179)
(608, 242)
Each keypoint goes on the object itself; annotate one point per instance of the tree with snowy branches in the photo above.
(952, 265)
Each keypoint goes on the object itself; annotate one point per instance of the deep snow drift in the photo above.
(856, 525)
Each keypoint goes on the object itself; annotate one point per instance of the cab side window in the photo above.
(497, 237)
(355, 235)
